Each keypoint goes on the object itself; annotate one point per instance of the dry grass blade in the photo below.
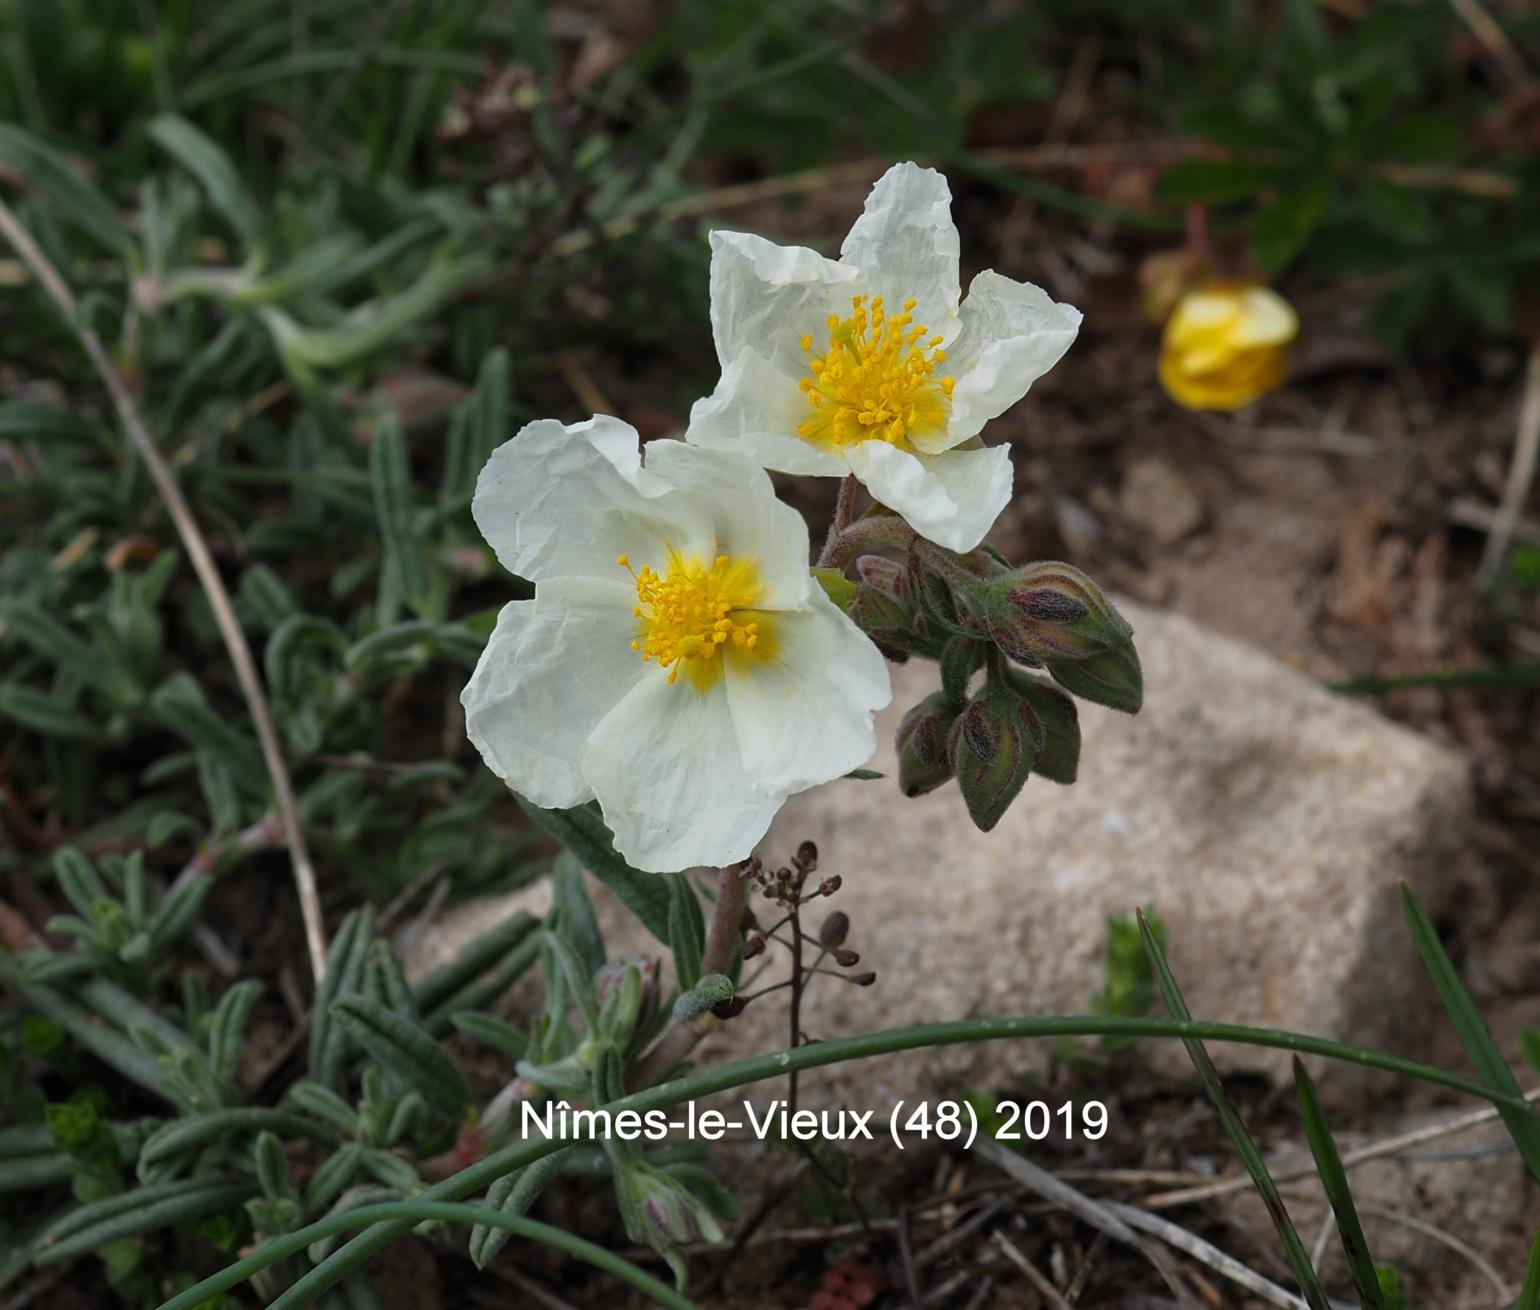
(1095, 1213)
(1372, 1151)
(1521, 474)
(1030, 1272)
(1227, 1266)
(203, 565)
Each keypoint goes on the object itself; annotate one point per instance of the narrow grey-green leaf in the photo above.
(406, 1051)
(50, 172)
(582, 832)
(396, 514)
(206, 160)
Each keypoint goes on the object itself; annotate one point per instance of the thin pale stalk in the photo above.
(203, 565)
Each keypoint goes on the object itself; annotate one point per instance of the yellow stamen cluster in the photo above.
(686, 616)
(877, 381)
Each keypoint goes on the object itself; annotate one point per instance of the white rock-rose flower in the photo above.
(870, 365)
(678, 662)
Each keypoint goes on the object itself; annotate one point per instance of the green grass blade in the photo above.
(1293, 1249)
(1328, 1163)
(1491, 1068)
(1529, 1294)
(777, 1064)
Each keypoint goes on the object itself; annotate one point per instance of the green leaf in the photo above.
(343, 976)
(686, 930)
(206, 160)
(491, 1031)
(1294, 1250)
(27, 418)
(1529, 1294)
(478, 427)
(180, 705)
(1211, 181)
(1491, 1069)
(1283, 225)
(216, 1127)
(227, 1028)
(575, 913)
(432, 990)
(135, 1212)
(582, 832)
(710, 990)
(512, 1194)
(65, 650)
(836, 586)
(396, 515)
(407, 1051)
(52, 173)
(1394, 209)
(43, 713)
(1328, 1163)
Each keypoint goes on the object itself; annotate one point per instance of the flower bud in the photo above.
(661, 1210)
(667, 1205)
(833, 931)
(753, 947)
(830, 885)
(1224, 346)
(1060, 757)
(884, 617)
(846, 959)
(1051, 611)
(993, 746)
(923, 760)
(864, 979)
(1112, 678)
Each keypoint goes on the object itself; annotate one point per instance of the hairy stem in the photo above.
(844, 515)
(721, 938)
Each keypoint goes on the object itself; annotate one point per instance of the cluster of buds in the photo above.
(976, 612)
(788, 889)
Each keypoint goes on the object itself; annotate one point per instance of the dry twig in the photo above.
(1521, 473)
(203, 565)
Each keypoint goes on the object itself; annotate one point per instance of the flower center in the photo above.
(686, 616)
(877, 380)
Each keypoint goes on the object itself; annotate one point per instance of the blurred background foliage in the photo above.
(340, 250)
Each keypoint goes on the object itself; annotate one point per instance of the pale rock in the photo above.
(1267, 821)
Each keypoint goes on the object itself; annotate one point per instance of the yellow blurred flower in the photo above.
(1226, 345)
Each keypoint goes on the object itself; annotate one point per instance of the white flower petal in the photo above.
(666, 767)
(806, 716)
(736, 496)
(754, 412)
(769, 297)
(906, 245)
(552, 669)
(563, 500)
(952, 498)
(1012, 333)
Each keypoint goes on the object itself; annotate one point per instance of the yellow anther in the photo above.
(689, 612)
(878, 379)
